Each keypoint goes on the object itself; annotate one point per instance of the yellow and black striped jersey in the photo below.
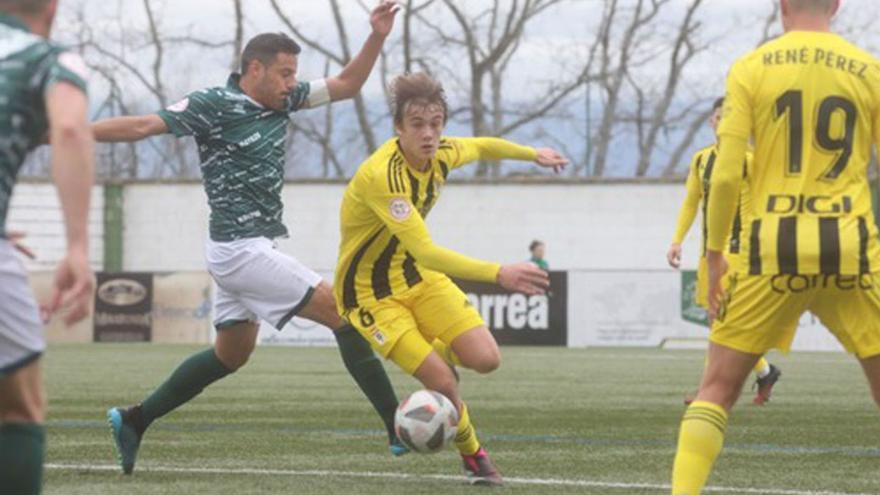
(698, 192)
(386, 248)
(811, 102)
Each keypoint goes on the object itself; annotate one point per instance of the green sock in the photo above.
(367, 370)
(22, 448)
(187, 381)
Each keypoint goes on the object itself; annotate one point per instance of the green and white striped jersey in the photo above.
(29, 66)
(242, 149)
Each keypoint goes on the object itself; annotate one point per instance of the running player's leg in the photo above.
(871, 367)
(415, 355)
(738, 339)
(705, 422)
(477, 350)
(22, 397)
(282, 288)
(850, 309)
(22, 435)
(766, 374)
(361, 362)
(236, 336)
(444, 313)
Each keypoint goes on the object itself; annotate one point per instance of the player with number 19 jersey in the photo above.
(811, 102)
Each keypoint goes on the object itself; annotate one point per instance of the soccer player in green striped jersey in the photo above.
(42, 90)
(240, 129)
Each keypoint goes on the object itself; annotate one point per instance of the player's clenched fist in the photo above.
(524, 277)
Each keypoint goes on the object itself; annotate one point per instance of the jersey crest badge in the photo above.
(400, 209)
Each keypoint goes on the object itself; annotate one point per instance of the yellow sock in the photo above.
(762, 369)
(446, 353)
(466, 439)
(699, 443)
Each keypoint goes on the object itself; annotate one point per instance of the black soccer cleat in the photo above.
(765, 386)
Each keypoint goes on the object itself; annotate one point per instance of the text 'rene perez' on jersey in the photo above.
(811, 102)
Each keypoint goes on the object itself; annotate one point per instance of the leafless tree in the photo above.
(340, 58)
(625, 98)
(616, 67)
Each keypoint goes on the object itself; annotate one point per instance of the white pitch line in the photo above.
(442, 477)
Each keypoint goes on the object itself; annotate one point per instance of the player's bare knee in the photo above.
(234, 359)
(322, 308)
(31, 409)
(487, 363)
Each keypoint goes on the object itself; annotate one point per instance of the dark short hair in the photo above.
(535, 244)
(23, 6)
(718, 104)
(265, 47)
(417, 89)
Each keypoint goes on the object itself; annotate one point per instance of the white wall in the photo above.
(35, 210)
(586, 226)
(612, 237)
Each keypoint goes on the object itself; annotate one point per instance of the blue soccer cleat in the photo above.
(398, 449)
(126, 437)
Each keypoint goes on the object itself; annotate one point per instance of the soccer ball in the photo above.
(426, 422)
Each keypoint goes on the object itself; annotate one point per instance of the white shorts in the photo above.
(256, 282)
(21, 331)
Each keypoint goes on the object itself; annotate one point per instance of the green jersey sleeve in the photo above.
(66, 67)
(192, 116)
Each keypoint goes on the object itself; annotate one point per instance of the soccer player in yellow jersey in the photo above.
(698, 182)
(811, 102)
(392, 281)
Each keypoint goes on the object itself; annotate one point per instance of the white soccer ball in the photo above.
(426, 422)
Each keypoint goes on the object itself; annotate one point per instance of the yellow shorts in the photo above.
(701, 294)
(761, 312)
(402, 327)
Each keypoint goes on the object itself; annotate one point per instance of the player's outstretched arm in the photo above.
(686, 216)
(406, 223)
(129, 129)
(352, 78)
(493, 149)
(73, 165)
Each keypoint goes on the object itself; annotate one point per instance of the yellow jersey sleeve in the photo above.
(736, 117)
(691, 204)
(876, 117)
(403, 220)
(733, 144)
(468, 150)
(726, 184)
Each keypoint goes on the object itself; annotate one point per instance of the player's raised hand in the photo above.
(673, 256)
(382, 17)
(550, 158)
(524, 277)
(717, 268)
(72, 289)
(15, 238)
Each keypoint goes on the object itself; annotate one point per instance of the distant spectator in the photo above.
(538, 249)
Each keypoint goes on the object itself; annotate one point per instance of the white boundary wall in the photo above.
(612, 238)
(586, 226)
(35, 210)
